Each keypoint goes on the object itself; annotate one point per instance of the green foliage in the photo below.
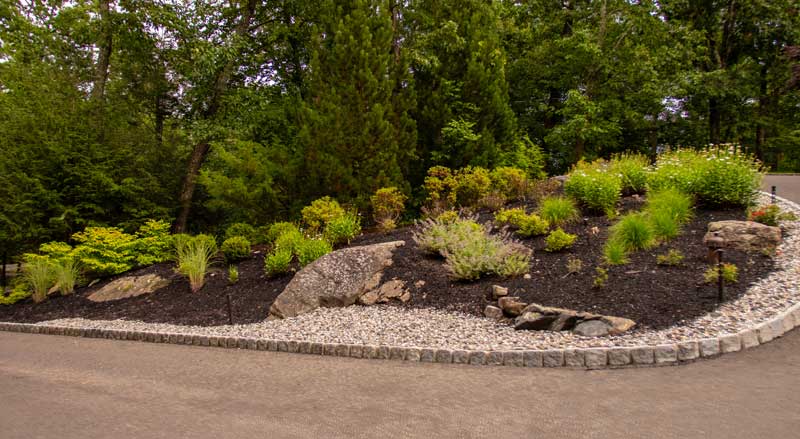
(558, 240)
(716, 176)
(321, 211)
(509, 181)
(441, 187)
(526, 224)
(40, 276)
(241, 229)
(278, 261)
(633, 171)
(510, 216)
(289, 240)
(769, 214)
(675, 203)
(526, 156)
(730, 274)
(236, 248)
(56, 251)
(558, 211)
(474, 183)
(595, 186)
(309, 250)
(470, 250)
(65, 274)
(388, 204)
(194, 257)
(153, 243)
(277, 229)
(19, 293)
(104, 251)
(233, 274)
(664, 225)
(342, 229)
(672, 257)
(615, 253)
(634, 231)
(600, 278)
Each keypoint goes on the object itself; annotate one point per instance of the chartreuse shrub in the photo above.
(526, 224)
(510, 217)
(558, 211)
(632, 170)
(19, 292)
(716, 176)
(473, 184)
(342, 229)
(511, 183)
(558, 240)
(309, 250)
(236, 248)
(289, 240)
(40, 276)
(441, 188)
(320, 212)
(388, 204)
(730, 274)
(595, 186)
(241, 229)
(152, 243)
(194, 256)
(104, 251)
(277, 229)
(470, 250)
(279, 261)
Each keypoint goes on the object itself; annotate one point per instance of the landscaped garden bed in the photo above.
(617, 260)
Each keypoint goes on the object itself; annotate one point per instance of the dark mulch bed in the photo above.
(251, 297)
(654, 296)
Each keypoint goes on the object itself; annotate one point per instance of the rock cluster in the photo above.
(391, 290)
(545, 318)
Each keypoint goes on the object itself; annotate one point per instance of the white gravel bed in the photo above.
(427, 328)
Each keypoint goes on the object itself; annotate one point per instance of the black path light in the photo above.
(774, 190)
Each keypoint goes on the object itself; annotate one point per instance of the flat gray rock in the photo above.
(335, 280)
(129, 286)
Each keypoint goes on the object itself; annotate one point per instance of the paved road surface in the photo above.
(63, 387)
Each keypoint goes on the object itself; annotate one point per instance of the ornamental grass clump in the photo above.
(595, 186)
(634, 232)
(558, 211)
(615, 253)
(470, 250)
(673, 201)
(65, 273)
(194, 257)
(39, 274)
(720, 175)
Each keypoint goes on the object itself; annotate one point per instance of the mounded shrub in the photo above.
(236, 248)
(277, 229)
(320, 211)
(278, 262)
(309, 250)
(387, 205)
(558, 240)
(632, 170)
(241, 229)
(595, 186)
(342, 229)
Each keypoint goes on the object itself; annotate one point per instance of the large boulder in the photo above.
(337, 279)
(748, 236)
(129, 286)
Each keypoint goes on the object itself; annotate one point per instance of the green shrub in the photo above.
(104, 251)
(153, 243)
(595, 187)
(730, 274)
(65, 273)
(510, 216)
(671, 200)
(511, 182)
(527, 156)
(194, 257)
(532, 225)
(716, 176)
(321, 211)
(448, 216)
(634, 231)
(470, 250)
(558, 240)
(56, 251)
(309, 250)
(672, 257)
(241, 229)
(342, 229)
(558, 211)
(278, 229)
(289, 240)
(233, 274)
(615, 253)
(632, 170)
(441, 188)
(18, 293)
(493, 201)
(388, 204)
(40, 276)
(278, 261)
(474, 183)
(236, 248)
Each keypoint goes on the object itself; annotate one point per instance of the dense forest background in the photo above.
(210, 112)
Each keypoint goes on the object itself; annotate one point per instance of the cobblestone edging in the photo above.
(590, 358)
(575, 357)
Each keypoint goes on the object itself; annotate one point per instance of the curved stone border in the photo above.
(588, 358)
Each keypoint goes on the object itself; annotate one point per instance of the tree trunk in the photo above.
(201, 148)
(160, 114)
(394, 10)
(763, 104)
(713, 121)
(104, 56)
(3, 281)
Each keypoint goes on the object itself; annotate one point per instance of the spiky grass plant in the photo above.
(194, 258)
(558, 211)
(38, 273)
(66, 272)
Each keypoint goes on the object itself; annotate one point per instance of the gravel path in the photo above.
(426, 328)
